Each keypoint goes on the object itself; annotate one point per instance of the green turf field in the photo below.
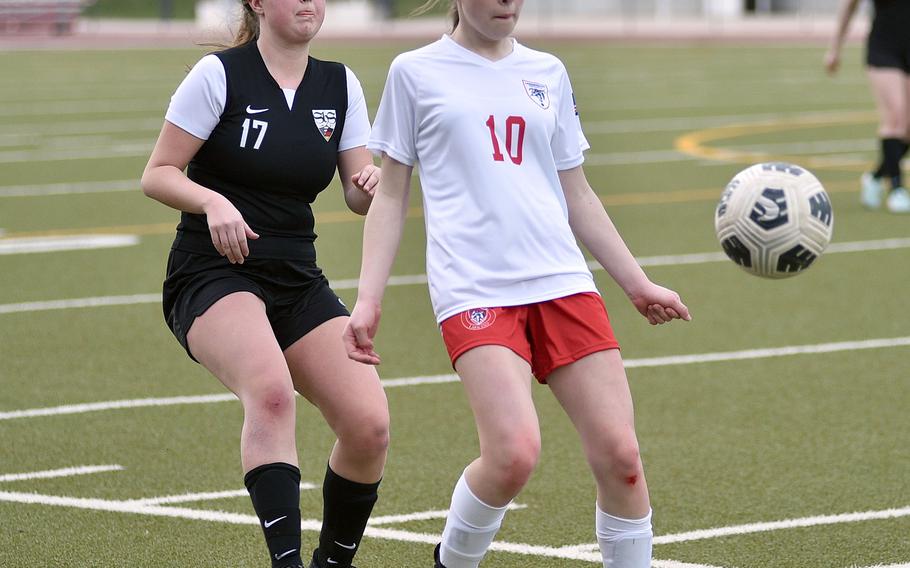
(117, 450)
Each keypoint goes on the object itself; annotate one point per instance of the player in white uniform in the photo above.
(494, 128)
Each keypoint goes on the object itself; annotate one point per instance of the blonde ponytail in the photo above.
(249, 25)
(430, 4)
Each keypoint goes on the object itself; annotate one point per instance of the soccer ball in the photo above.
(774, 219)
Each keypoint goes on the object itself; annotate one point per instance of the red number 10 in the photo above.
(511, 123)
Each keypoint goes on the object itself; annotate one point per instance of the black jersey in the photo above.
(892, 22)
(270, 161)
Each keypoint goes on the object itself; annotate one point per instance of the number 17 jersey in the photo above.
(490, 138)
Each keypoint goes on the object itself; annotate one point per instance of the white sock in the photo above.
(470, 527)
(624, 543)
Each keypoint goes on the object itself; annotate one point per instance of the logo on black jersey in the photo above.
(539, 93)
(325, 122)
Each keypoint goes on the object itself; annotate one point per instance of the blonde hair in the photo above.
(430, 4)
(249, 25)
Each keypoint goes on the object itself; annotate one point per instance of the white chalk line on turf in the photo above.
(31, 245)
(671, 360)
(413, 279)
(69, 188)
(306, 525)
(206, 496)
(64, 472)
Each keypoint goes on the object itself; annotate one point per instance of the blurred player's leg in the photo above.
(595, 394)
(889, 86)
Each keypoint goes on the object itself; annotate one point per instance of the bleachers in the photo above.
(40, 16)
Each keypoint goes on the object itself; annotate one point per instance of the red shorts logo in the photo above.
(478, 318)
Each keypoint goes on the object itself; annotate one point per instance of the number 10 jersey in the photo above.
(490, 138)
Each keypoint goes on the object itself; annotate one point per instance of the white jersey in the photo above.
(197, 104)
(490, 138)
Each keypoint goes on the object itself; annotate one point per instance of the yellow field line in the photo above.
(695, 143)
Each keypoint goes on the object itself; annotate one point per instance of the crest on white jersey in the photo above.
(539, 93)
(325, 122)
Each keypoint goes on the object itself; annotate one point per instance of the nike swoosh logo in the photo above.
(352, 547)
(283, 554)
(330, 561)
(267, 524)
(251, 110)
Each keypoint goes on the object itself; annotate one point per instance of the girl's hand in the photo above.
(360, 331)
(367, 179)
(832, 61)
(228, 229)
(660, 305)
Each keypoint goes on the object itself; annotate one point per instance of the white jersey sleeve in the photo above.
(569, 142)
(199, 100)
(357, 122)
(395, 126)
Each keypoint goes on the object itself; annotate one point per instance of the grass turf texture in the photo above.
(724, 444)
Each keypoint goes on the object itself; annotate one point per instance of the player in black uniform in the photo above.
(888, 68)
(261, 129)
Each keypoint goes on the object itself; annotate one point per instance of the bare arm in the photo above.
(164, 180)
(381, 238)
(844, 15)
(359, 177)
(594, 228)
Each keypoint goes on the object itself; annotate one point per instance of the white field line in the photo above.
(675, 124)
(452, 378)
(425, 515)
(31, 245)
(785, 524)
(752, 528)
(65, 472)
(312, 525)
(207, 496)
(413, 279)
(69, 188)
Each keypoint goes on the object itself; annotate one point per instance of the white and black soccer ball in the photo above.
(774, 219)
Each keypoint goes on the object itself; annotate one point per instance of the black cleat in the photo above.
(436, 562)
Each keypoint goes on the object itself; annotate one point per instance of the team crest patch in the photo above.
(325, 122)
(539, 93)
(478, 318)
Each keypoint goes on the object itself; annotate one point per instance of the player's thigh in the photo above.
(498, 384)
(347, 393)
(889, 85)
(234, 341)
(594, 392)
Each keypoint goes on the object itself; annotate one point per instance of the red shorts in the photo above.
(547, 334)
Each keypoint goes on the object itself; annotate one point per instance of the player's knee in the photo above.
(272, 400)
(617, 459)
(515, 463)
(368, 436)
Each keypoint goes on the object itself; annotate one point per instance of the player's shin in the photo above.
(470, 528)
(346, 509)
(624, 543)
(275, 491)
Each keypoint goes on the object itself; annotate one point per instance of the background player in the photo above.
(262, 128)
(494, 128)
(888, 69)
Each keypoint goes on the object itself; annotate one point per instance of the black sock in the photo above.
(275, 491)
(892, 151)
(346, 508)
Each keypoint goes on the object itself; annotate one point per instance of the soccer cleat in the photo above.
(436, 562)
(871, 192)
(898, 200)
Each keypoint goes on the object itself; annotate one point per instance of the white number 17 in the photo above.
(259, 125)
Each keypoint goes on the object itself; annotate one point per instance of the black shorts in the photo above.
(889, 52)
(297, 296)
